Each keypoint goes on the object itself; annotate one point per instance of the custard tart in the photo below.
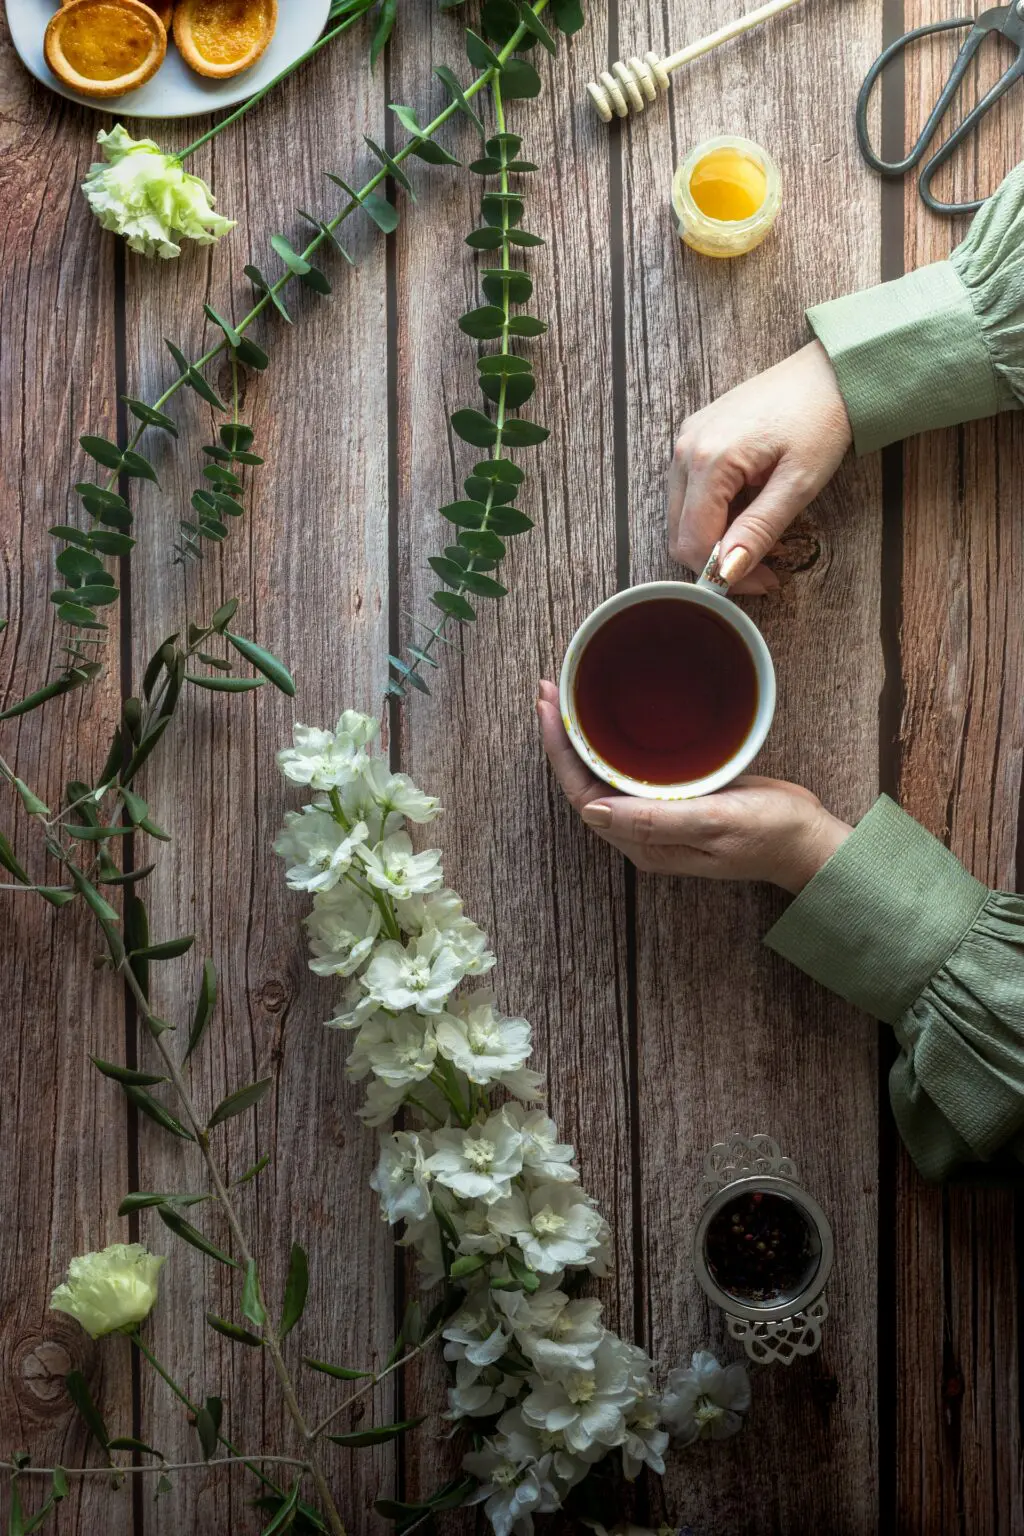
(220, 38)
(163, 8)
(105, 47)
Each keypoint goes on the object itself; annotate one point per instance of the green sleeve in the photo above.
(941, 345)
(895, 924)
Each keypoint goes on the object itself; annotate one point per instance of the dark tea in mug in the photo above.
(666, 692)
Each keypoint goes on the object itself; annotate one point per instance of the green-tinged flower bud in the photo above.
(110, 1291)
(144, 194)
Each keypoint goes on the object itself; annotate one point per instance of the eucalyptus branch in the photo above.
(160, 1468)
(375, 1381)
(90, 585)
(271, 1335)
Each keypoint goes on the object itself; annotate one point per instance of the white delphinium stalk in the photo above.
(401, 1178)
(488, 1198)
(480, 1042)
(394, 867)
(343, 928)
(555, 1225)
(398, 1048)
(420, 975)
(319, 850)
(706, 1400)
(327, 759)
(478, 1163)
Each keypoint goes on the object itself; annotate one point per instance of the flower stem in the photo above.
(396, 1365)
(246, 106)
(193, 1408)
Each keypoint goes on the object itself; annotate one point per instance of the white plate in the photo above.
(175, 90)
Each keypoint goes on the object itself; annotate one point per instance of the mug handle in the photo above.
(709, 578)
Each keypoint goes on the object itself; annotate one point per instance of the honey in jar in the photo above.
(726, 196)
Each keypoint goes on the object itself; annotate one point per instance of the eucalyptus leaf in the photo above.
(233, 1331)
(155, 1110)
(126, 1074)
(195, 380)
(500, 469)
(252, 355)
(254, 1172)
(295, 1290)
(479, 54)
(483, 324)
(378, 1436)
(568, 15)
(532, 22)
(455, 606)
(192, 1235)
(509, 520)
(285, 1513)
(102, 450)
(225, 684)
(170, 949)
(140, 1200)
(341, 1372)
(137, 466)
(488, 239)
(205, 1004)
(150, 415)
(252, 1305)
(102, 909)
(385, 25)
(474, 427)
(129, 1443)
(520, 433)
(79, 1393)
(238, 1102)
(291, 258)
(232, 335)
(390, 165)
(454, 89)
(264, 661)
(519, 80)
(264, 286)
(517, 285)
(483, 586)
(526, 325)
(206, 1429)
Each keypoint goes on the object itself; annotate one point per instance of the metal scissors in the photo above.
(1005, 19)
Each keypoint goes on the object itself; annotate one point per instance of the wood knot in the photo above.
(799, 548)
(273, 995)
(40, 1364)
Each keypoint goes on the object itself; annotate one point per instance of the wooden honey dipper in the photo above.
(631, 85)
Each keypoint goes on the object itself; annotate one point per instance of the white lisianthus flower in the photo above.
(555, 1225)
(705, 1400)
(343, 928)
(544, 1156)
(421, 976)
(142, 193)
(396, 794)
(383, 1101)
(510, 1492)
(555, 1333)
(478, 1163)
(400, 1049)
(480, 1042)
(401, 1177)
(328, 759)
(585, 1407)
(475, 1335)
(111, 1291)
(392, 866)
(318, 849)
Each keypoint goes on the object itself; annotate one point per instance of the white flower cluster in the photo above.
(489, 1196)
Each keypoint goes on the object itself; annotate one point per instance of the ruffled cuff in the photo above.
(958, 1088)
(882, 916)
(942, 345)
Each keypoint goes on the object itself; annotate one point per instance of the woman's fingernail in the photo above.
(735, 564)
(597, 815)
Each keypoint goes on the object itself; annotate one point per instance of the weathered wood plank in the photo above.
(551, 898)
(730, 1039)
(962, 737)
(56, 380)
(309, 561)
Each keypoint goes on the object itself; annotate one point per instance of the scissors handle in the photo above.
(1002, 19)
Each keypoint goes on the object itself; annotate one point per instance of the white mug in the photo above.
(709, 592)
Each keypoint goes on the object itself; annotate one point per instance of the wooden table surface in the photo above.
(662, 1021)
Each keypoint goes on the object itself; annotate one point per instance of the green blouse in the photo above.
(893, 922)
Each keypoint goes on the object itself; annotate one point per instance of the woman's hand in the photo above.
(757, 829)
(782, 433)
